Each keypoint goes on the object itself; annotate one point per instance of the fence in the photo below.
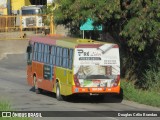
(20, 27)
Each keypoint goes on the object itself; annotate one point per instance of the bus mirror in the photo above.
(29, 49)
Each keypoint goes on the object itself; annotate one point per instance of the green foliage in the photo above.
(140, 96)
(134, 24)
(5, 106)
(141, 32)
(73, 13)
(49, 11)
(151, 80)
(143, 24)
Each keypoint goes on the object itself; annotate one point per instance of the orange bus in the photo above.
(69, 66)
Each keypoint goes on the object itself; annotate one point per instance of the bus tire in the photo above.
(37, 90)
(58, 94)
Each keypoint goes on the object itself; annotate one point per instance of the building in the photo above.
(8, 7)
(3, 7)
(17, 4)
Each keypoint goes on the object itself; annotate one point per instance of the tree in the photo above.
(134, 24)
(141, 32)
(73, 13)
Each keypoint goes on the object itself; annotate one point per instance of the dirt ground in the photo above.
(12, 47)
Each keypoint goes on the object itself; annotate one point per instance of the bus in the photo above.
(68, 66)
(32, 16)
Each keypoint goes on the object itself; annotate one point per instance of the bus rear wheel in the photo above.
(58, 94)
(37, 90)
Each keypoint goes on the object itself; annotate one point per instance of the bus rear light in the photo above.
(115, 46)
(115, 84)
(76, 81)
(116, 81)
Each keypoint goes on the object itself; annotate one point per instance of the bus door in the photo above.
(62, 70)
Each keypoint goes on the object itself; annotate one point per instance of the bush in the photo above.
(138, 95)
(5, 106)
(151, 80)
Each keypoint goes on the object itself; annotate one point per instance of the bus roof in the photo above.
(65, 41)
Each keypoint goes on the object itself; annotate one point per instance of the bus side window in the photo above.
(35, 51)
(70, 58)
(61, 57)
(39, 52)
(65, 58)
(42, 52)
(46, 54)
(57, 56)
(53, 55)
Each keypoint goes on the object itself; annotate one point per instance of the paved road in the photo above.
(14, 88)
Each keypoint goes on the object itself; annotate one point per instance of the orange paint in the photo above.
(95, 89)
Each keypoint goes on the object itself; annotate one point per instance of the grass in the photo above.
(144, 97)
(5, 106)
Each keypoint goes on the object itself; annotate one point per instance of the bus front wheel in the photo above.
(58, 94)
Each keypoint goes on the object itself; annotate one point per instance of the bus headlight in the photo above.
(76, 81)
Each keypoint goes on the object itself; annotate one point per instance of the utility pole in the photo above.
(52, 31)
(9, 7)
(52, 27)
